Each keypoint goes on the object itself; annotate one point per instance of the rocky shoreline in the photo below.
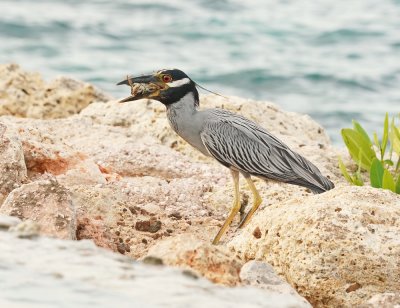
(77, 165)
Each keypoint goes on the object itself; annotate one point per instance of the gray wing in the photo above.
(238, 142)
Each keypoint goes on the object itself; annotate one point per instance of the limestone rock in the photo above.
(12, 164)
(83, 172)
(336, 248)
(97, 228)
(131, 216)
(43, 150)
(45, 202)
(128, 151)
(216, 263)
(262, 275)
(88, 276)
(384, 300)
(136, 186)
(115, 178)
(46, 151)
(25, 94)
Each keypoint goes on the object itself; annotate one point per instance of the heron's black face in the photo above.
(166, 86)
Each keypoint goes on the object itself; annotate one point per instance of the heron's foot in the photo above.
(243, 205)
(245, 220)
(242, 219)
(228, 221)
(256, 203)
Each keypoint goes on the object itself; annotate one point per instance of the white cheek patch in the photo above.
(178, 83)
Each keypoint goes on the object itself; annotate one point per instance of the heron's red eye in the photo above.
(167, 78)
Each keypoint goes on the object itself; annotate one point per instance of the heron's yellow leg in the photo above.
(256, 203)
(235, 208)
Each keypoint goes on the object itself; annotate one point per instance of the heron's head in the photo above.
(167, 86)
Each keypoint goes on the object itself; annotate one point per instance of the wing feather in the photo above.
(236, 141)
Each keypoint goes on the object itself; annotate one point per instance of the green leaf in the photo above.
(397, 165)
(359, 149)
(385, 135)
(357, 179)
(388, 181)
(398, 185)
(376, 141)
(376, 173)
(358, 128)
(388, 162)
(395, 138)
(397, 131)
(343, 169)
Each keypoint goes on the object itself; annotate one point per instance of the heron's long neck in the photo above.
(186, 106)
(181, 112)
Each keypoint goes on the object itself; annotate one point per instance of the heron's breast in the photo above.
(188, 128)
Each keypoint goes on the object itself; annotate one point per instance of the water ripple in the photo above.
(334, 60)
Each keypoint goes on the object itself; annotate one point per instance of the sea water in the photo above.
(335, 60)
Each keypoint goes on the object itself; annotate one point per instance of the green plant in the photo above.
(384, 172)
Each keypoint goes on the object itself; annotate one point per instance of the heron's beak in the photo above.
(148, 86)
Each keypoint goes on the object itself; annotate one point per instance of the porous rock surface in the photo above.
(216, 263)
(12, 165)
(137, 188)
(47, 203)
(336, 249)
(25, 94)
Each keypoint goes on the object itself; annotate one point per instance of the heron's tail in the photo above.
(326, 185)
(308, 174)
(323, 184)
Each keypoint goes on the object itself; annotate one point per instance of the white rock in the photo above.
(47, 272)
(384, 300)
(262, 275)
(26, 229)
(7, 222)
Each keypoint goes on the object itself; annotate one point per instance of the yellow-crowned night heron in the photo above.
(234, 141)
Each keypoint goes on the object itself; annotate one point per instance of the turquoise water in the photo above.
(335, 60)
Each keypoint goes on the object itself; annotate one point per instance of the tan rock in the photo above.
(95, 228)
(131, 216)
(336, 249)
(25, 94)
(142, 162)
(43, 150)
(47, 203)
(216, 263)
(114, 174)
(137, 186)
(84, 172)
(98, 213)
(12, 165)
(46, 151)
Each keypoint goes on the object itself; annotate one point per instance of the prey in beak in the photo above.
(142, 87)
